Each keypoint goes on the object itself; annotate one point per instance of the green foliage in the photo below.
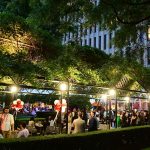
(116, 68)
(79, 64)
(79, 101)
(31, 32)
(127, 18)
(92, 56)
(129, 138)
(18, 68)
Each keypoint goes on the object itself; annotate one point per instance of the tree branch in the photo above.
(17, 42)
(121, 20)
(146, 2)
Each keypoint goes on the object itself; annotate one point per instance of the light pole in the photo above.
(112, 92)
(63, 87)
(148, 33)
(127, 100)
(104, 98)
(149, 102)
(13, 90)
(67, 102)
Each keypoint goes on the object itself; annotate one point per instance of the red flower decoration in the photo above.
(17, 104)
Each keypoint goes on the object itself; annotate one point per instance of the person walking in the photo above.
(7, 123)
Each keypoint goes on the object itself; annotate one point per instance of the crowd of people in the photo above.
(79, 121)
(32, 109)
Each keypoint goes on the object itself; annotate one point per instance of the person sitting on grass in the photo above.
(23, 131)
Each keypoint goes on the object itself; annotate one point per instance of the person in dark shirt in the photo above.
(74, 114)
(92, 124)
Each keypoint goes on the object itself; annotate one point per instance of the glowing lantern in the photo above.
(57, 105)
(17, 104)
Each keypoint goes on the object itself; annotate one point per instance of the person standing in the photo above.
(92, 123)
(78, 124)
(74, 114)
(69, 115)
(7, 123)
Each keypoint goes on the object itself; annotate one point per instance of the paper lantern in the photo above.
(17, 104)
(57, 105)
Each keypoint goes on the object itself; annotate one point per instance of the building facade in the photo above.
(95, 37)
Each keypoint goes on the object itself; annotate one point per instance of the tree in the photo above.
(124, 74)
(129, 19)
(38, 26)
(79, 65)
(78, 101)
(18, 69)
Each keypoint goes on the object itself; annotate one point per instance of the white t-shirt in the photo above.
(52, 123)
(6, 121)
(23, 133)
(1, 136)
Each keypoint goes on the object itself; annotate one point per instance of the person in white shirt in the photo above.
(78, 124)
(7, 123)
(24, 132)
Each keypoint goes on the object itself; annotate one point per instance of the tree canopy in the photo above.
(125, 17)
(31, 32)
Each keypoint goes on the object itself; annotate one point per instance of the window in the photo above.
(85, 42)
(85, 31)
(141, 39)
(148, 55)
(105, 42)
(99, 42)
(90, 42)
(69, 35)
(110, 40)
(81, 42)
(81, 30)
(95, 42)
(90, 30)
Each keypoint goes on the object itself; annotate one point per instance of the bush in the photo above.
(129, 138)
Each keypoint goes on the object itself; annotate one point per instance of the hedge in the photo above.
(116, 139)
